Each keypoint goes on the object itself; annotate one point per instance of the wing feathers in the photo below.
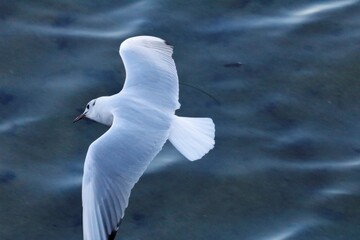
(114, 163)
(149, 66)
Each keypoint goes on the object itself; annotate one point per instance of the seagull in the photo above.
(141, 118)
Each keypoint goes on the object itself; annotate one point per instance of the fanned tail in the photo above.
(192, 137)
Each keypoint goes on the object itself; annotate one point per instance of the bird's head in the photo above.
(98, 110)
(89, 112)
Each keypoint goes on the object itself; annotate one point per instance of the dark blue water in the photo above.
(287, 160)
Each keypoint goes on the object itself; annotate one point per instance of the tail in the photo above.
(193, 137)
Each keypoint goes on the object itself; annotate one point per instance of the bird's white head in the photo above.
(95, 110)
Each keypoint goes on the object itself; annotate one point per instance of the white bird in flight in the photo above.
(141, 118)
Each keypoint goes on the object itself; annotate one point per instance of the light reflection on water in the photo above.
(318, 8)
(287, 150)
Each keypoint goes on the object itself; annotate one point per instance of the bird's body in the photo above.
(141, 119)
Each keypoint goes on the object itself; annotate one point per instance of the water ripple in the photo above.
(109, 24)
(329, 165)
(18, 122)
(294, 229)
(300, 15)
(323, 7)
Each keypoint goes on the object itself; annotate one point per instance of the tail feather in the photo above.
(192, 137)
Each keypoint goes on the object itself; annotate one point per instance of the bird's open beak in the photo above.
(78, 118)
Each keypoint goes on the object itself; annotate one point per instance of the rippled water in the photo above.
(286, 163)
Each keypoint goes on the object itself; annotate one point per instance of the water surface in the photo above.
(286, 163)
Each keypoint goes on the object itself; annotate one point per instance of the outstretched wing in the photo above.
(141, 125)
(115, 162)
(150, 71)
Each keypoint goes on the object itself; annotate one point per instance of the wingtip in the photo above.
(167, 43)
(112, 235)
(114, 232)
(143, 41)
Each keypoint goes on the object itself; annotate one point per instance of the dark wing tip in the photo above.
(114, 232)
(167, 43)
(112, 235)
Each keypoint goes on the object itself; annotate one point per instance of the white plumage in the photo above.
(142, 117)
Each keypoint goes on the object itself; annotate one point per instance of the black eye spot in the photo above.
(87, 106)
(94, 103)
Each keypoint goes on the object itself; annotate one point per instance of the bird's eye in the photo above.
(87, 106)
(94, 103)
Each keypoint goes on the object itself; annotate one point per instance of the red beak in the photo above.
(78, 118)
